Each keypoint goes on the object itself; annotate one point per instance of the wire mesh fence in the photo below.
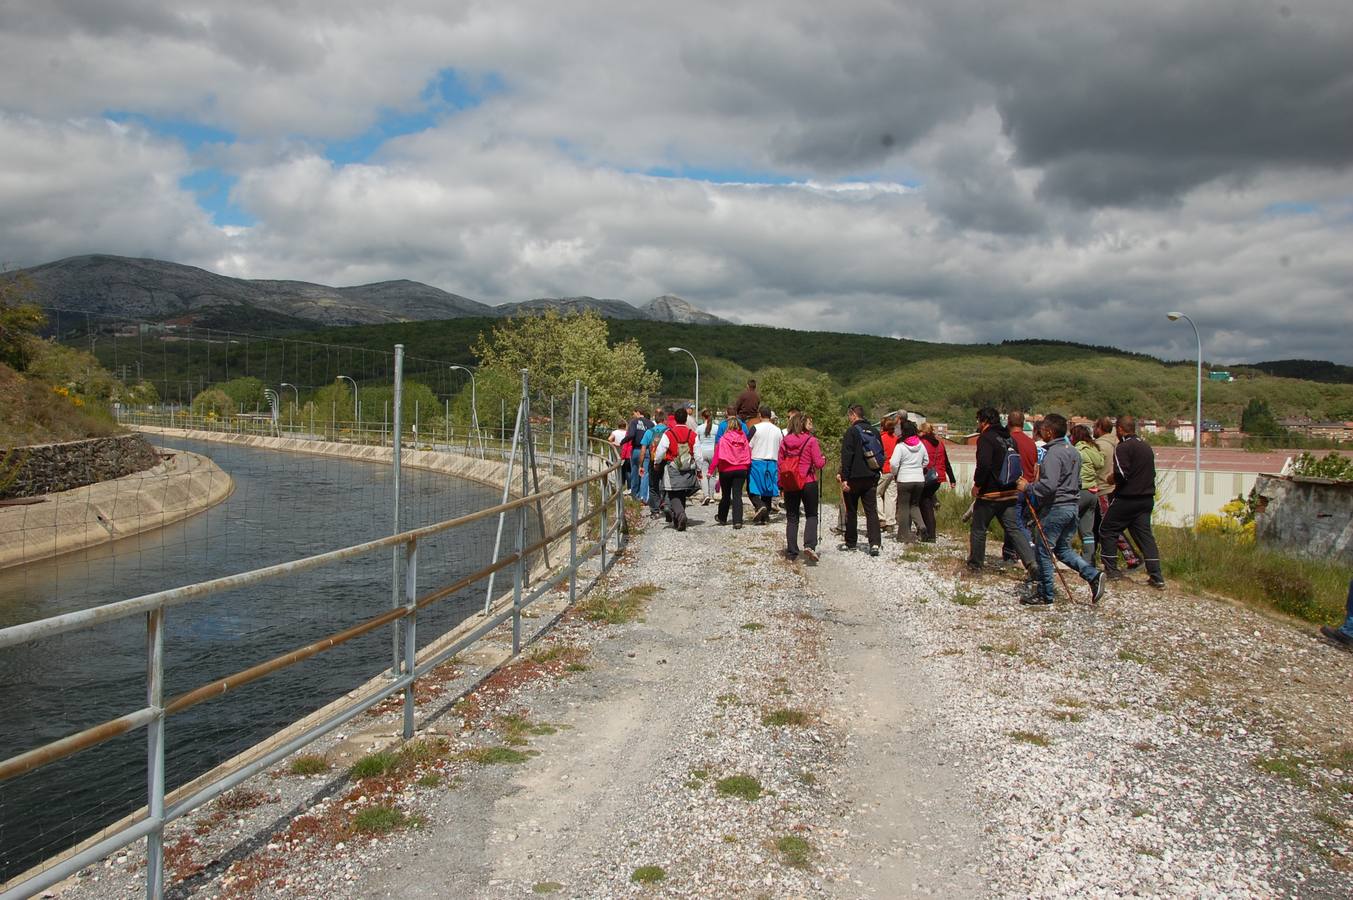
(295, 490)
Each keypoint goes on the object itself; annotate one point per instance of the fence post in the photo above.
(573, 499)
(155, 752)
(507, 492)
(410, 630)
(519, 577)
(395, 461)
(552, 465)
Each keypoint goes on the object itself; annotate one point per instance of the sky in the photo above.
(956, 170)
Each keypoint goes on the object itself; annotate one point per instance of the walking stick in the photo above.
(1047, 545)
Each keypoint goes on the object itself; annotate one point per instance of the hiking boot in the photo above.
(718, 521)
(847, 548)
(1035, 600)
(873, 549)
(810, 554)
(1115, 575)
(1157, 583)
(737, 524)
(762, 515)
(1097, 587)
(1338, 636)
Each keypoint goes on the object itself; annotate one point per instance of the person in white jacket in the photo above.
(908, 463)
(706, 436)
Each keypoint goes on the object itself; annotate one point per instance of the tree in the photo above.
(557, 349)
(19, 324)
(247, 393)
(1257, 418)
(214, 403)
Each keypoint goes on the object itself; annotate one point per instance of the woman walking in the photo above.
(1087, 508)
(909, 461)
(732, 459)
(888, 437)
(706, 436)
(801, 461)
(944, 474)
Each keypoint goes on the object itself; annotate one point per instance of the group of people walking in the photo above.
(1044, 491)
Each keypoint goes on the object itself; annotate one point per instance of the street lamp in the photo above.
(474, 408)
(287, 384)
(1198, 419)
(697, 374)
(354, 395)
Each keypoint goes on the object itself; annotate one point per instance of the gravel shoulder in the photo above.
(863, 727)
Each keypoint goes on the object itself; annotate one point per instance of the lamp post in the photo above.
(1197, 419)
(474, 408)
(354, 396)
(287, 384)
(697, 374)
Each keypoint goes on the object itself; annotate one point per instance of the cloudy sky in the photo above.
(955, 170)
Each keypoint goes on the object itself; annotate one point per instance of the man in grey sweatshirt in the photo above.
(1056, 492)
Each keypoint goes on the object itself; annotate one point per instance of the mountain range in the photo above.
(156, 290)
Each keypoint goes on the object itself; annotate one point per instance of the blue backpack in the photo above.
(1011, 469)
(872, 446)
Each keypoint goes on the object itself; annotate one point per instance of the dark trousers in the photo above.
(1134, 515)
(909, 510)
(676, 502)
(730, 486)
(930, 500)
(983, 511)
(808, 499)
(862, 493)
(655, 491)
(1123, 544)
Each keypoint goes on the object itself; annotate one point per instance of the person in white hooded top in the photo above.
(908, 463)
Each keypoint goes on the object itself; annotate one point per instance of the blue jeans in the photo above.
(1060, 525)
(636, 457)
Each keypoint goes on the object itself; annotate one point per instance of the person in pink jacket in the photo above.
(732, 459)
(801, 460)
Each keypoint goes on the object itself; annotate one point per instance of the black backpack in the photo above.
(1011, 469)
(872, 447)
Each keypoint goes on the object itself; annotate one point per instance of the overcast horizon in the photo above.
(954, 172)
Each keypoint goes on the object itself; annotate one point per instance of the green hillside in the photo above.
(945, 381)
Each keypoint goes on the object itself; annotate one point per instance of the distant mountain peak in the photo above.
(671, 308)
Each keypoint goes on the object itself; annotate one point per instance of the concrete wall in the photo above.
(1310, 517)
(51, 468)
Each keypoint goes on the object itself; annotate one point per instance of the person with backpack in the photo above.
(799, 463)
(732, 459)
(1106, 440)
(995, 493)
(706, 436)
(1057, 493)
(861, 465)
(652, 466)
(1028, 459)
(676, 448)
(634, 435)
(909, 462)
(888, 434)
(943, 473)
(1134, 499)
(763, 481)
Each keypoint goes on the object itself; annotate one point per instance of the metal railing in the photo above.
(594, 483)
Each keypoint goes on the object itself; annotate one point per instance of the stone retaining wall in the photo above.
(1310, 517)
(51, 468)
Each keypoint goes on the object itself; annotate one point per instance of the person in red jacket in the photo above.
(678, 480)
(801, 455)
(944, 472)
(1028, 461)
(888, 435)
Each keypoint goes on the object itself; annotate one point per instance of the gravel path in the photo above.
(863, 727)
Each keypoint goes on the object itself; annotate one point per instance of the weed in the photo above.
(794, 851)
(575, 667)
(374, 764)
(241, 799)
(430, 780)
(648, 875)
(951, 651)
(1009, 648)
(495, 756)
(1133, 656)
(963, 598)
(1336, 824)
(744, 787)
(1036, 738)
(727, 699)
(752, 626)
(1284, 766)
(807, 778)
(308, 764)
(784, 717)
(424, 750)
(1072, 702)
(1149, 851)
(618, 610)
(1341, 759)
(378, 820)
(730, 838)
(547, 887)
(1066, 715)
(554, 653)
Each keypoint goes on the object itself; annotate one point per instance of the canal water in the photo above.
(284, 506)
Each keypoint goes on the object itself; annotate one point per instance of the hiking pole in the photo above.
(1047, 545)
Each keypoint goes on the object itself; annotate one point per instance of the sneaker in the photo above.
(1157, 583)
(1097, 586)
(737, 525)
(873, 549)
(1338, 636)
(762, 515)
(705, 502)
(810, 554)
(718, 521)
(1114, 575)
(1035, 600)
(847, 548)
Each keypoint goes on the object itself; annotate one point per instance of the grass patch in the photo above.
(624, 607)
(1009, 648)
(575, 667)
(424, 750)
(555, 653)
(546, 887)
(495, 756)
(794, 851)
(1066, 715)
(785, 717)
(378, 820)
(752, 626)
(1283, 765)
(1312, 590)
(807, 778)
(1333, 822)
(1341, 758)
(1133, 656)
(963, 598)
(1071, 702)
(373, 765)
(430, 780)
(1038, 739)
(308, 764)
(648, 875)
(744, 787)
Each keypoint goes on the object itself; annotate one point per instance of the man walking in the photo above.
(634, 435)
(763, 483)
(861, 463)
(995, 498)
(1028, 460)
(1134, 498)
(1057, 493)
(1107, 442)
(748, 403)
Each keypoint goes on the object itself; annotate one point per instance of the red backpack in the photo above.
(791, 478)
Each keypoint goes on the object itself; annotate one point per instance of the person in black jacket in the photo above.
(858, 482)
(994, 499)
(1134, 498)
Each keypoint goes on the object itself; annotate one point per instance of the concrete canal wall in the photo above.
(41, 469)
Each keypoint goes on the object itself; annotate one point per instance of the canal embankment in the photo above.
(179, 485)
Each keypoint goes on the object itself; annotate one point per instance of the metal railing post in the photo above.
(395, 464)
(155, 753)
(573, 500)
(410, 631)
(519, 574)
